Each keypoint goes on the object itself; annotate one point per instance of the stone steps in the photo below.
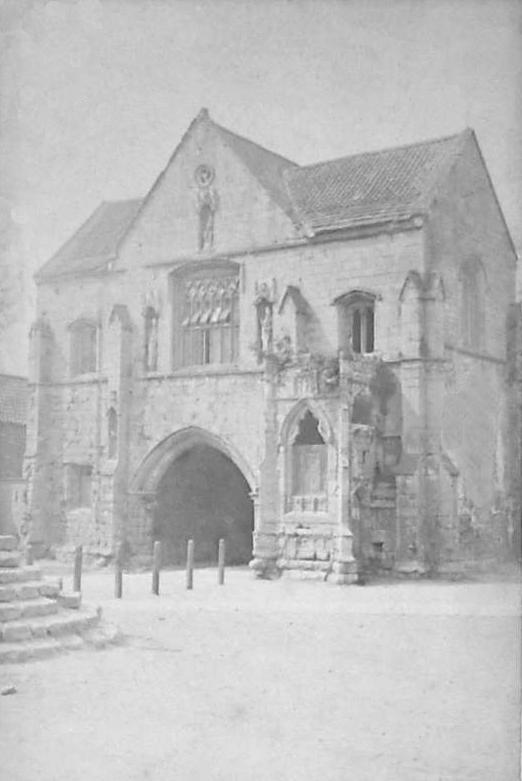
(41, 648)
(21, 574)
(36, 618)
(27, 608)
(53, 625)
(10, 559)
(31, 589)
(8, 542)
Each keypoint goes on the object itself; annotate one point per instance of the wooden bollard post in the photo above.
(77, 576)
(221, 562)
(156, 566)
(190, 564)
(118, 573)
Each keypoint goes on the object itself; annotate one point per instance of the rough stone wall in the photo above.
(231, 405)
(466, 223)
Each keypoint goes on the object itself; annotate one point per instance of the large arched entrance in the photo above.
(200, 492)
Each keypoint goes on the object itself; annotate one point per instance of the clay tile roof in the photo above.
(95, 242)
(13, 399)
(361, 190)
(364, 189)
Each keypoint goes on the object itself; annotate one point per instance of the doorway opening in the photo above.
(204, 496)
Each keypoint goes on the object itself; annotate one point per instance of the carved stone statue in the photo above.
(207, 205)
(266, 330)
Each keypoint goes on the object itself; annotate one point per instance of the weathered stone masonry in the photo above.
(335, 333)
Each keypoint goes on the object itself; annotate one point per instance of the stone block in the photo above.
(10, 611)
(71, 601)
(9, 559)
(8, 542)
(49, 589)
(16, 632)
(7, 593)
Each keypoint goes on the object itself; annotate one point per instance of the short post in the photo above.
(77, 576)
(156, 566)
(190, 564)
(221, 562)
(118, 573)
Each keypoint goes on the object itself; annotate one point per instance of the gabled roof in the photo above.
(95, 243)
(14, 392)
(374, 187)
(357, 191)
(267, 167)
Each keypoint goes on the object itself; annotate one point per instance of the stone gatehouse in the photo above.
(308, 361)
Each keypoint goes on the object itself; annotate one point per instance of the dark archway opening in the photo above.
(203, 496)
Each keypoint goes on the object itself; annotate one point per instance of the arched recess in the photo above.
(158, 460)
(307, 442)
(196, 486)
(290, 424)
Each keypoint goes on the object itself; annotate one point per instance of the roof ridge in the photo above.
(254, 143)
(414, 144)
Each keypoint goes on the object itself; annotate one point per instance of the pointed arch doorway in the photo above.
(201, 493)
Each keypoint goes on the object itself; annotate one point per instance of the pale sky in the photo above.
(96, 94)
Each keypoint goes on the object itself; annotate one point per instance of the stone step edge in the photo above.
(21, 574)
(44, 588)
(10, 559)
(8, 542)
(97, 637)
(27, 606)
(57, 624)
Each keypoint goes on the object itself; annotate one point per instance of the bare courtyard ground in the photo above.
(276, 681)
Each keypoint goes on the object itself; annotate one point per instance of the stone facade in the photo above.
(349, 359)
(13, 418)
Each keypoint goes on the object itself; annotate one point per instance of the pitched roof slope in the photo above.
(267, 167)
(95, 243)
(365, 189)
(360, 190)
(14, 393)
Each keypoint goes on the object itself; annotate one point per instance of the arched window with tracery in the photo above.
(473, 288)
(309, 466)
(206, 316)
(356, 322)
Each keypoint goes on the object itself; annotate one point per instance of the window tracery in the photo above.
(208, 320)
(356, 316)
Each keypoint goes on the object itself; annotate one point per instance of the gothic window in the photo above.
(150, 357)
(472, 304)
(206, 318)
(79, 485)
(112, 433)
(356, 316)
(309, 466)
(83, 347)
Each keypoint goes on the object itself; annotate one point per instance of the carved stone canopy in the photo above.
(265, 291)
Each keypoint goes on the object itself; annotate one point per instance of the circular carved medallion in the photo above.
(204, 174)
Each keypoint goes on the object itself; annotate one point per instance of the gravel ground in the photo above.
(283, 681)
